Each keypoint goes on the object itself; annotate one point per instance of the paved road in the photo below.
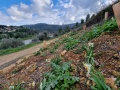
(12, 58)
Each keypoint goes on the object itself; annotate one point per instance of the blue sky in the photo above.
(20, 12)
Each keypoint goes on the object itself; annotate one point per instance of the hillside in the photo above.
(47, 27)
(78, 60)
(4, 28)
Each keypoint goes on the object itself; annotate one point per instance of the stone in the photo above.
(88, 82)
(116, 56)
(33, 84)
(110, 82)
(32, 68)
(27, 57)
(10, 76)
(74, 67)
(8, 68)
(63, 53)
(82, 80)
(19, 61)
(115, 73)
(81, 73)
(1, 72)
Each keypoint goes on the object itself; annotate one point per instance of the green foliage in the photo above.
(67, 29)
(19, 86)
(89, 54)
(79, 49)
(99, 80)
(82, 21)
(72, 33)
(87, 17)
(57, 60)
(117, 81)
(19, 33)
(10, 43)
(59, 78)
(77, 24)
(52, 50)
(70, 43)
(60, 30)
(108, 26)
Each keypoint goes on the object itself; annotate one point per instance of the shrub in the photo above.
(19, 86)
(10, 43)
(108, 26)
(70, 43)
(59, 78)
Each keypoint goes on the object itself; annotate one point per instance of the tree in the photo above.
(93, 16)
(77, 24)
(45, 35)
(60, 30)
(82, 21)
(67, 29)
(87, 17)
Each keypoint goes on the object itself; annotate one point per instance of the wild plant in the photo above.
(99, 81)
(60, 77)
(89, 53)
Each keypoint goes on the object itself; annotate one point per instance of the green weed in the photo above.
(99, 81)
(70, 43)
(59, 78)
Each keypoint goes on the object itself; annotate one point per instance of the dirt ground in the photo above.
(106, 54)
(12, 58)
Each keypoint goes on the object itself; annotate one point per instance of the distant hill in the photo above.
(47, 27)
(4, 28)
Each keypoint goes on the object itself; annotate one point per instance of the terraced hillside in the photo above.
(80, 60)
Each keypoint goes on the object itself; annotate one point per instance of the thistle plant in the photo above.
(60, 77)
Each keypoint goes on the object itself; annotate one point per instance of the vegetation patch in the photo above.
(70, 43)
(108, 26)
(60, 77)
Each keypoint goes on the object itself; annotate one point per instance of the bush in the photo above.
(70, 43)
(108, 26)
(10, 43)
(60, 77)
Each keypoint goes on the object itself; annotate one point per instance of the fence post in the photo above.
(106, 15)
(84, 27)
(116, 9)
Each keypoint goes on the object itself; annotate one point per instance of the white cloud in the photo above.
(18, 13)
(4, 18)
(45, 11)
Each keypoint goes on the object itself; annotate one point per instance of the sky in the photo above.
(22, 12)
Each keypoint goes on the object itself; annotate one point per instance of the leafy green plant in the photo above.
(117, 81)
(70, 43)
(39, 52)
(89, 54)
(108, 26)
(54, 48)
(72, 33)
(57, 60)
(99, 81)
(19, 86)
(60, 77)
